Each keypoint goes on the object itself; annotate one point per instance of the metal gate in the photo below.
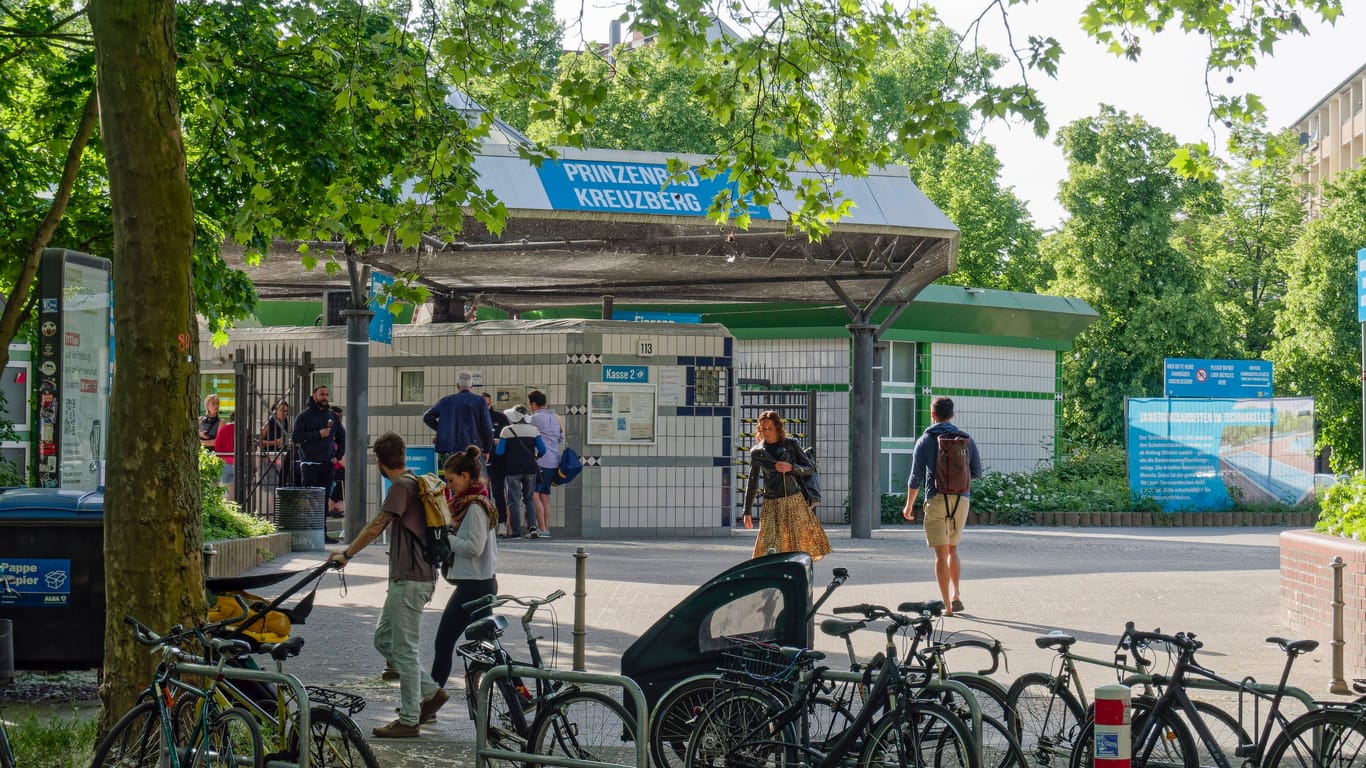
(798, 410)
(263, 455)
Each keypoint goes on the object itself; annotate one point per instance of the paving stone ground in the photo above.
(1221, 583)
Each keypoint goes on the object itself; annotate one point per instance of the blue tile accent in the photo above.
(724, 362)
(728, 342)
(725, 427)
(686, 360)
(691, 377)
(686, 411)
(720, 461)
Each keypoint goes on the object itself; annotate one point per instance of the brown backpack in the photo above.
(953, 467)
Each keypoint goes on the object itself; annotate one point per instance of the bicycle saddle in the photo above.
(932, 607)
(1055, 640)
(841, 628)
(1294, 646)
(800, 654)
(487, 628)
(285, 649)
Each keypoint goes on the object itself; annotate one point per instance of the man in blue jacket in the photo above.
(320, 437)
(460, 420)
(945, 513)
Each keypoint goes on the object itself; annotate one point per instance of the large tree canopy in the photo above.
(1115, 253)
(1317, 343)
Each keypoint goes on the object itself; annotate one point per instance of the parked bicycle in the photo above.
(1329, 736)
(1050, 707)
(149, 734)
(552, 718)
(673, 716)
(750, 726)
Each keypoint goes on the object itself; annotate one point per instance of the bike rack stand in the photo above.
(260, 675)
(482, 752)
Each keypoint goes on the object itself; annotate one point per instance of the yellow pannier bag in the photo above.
(272, 627)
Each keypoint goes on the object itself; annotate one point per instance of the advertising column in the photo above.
(73, 369)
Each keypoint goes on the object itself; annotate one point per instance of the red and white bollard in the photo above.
(1112, 739)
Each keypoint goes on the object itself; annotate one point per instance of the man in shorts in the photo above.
(945, 514)
(547, 423)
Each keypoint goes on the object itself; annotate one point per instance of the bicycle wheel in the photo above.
(508, 727)
(233, 740)
(1323, 738)
(733, 728)
(1228, 733)
(335, 741)
(1000, 748)
(673, 718)
(586, 725)
(1047, 718)
(922, 734)
(991, 701)
(1167, 745)
(134, 741)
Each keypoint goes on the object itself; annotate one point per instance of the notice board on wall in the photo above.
(621, 414)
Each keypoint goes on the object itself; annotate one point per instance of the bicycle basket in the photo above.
(760, 661)
(326, 697)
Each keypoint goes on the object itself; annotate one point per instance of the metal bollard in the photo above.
(580, 600)
(208, 553)
(6, 651)
(1112, 738)
(1338, 684)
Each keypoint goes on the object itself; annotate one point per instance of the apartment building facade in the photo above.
(1332, 136)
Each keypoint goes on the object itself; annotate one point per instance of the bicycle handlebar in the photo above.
(993, 648)
(1133, 638)
(495, 601)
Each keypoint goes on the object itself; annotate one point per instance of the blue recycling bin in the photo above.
(52, 576)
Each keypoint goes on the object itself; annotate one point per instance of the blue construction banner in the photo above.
(35, 582)
(592, 185)
(1199, 455)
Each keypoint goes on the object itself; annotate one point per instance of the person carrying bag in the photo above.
(786, 520)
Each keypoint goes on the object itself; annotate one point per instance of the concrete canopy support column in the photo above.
(864, 459)
(357, 417)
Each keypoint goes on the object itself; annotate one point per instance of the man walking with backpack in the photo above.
(411, 582)
(945, 462)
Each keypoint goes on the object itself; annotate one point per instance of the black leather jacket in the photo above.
(776, 485)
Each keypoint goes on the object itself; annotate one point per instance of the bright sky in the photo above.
(1166, 86)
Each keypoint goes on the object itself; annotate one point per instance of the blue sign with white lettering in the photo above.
(591, 185)
(1361, 286)
(1217, 378)
(638, 374)
(35, 583)
(418, 459)
(633, 316)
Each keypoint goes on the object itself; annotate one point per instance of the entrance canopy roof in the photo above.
(604, 222)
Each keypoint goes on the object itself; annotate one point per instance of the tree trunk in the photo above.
(152, 523)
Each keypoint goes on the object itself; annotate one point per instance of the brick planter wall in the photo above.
(237, 556)
(1307, 593)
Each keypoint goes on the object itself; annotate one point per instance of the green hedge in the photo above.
(223, 519)
(1342, 509)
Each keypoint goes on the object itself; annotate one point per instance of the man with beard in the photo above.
(319, 437)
